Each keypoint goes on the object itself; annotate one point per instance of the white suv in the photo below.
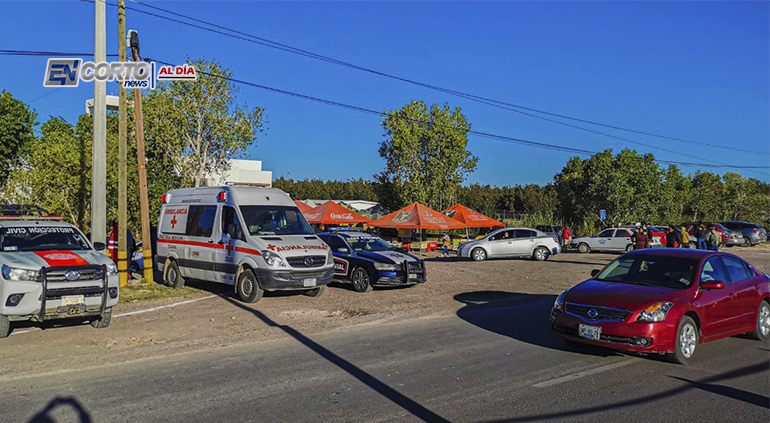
(49, 270)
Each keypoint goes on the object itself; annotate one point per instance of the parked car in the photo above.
(658, 234)
(553, 230)
(51, 271)
(611, 239)
(665, 301)
(752, 233)
(511, 242)
(367, 261)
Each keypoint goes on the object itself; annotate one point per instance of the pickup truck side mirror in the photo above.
(343, 250)
(595, 272)
(712, 285)
(99, 246)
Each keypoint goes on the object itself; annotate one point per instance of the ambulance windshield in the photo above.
(41, 238)
(275, 220)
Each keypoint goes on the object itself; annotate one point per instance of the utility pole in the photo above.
(144, 205)
(122, 234)
(99, 159)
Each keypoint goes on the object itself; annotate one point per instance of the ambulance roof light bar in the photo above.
(247, 184)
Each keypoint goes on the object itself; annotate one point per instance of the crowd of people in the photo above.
(705, 238)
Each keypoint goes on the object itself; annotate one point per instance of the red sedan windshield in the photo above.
(651, 270)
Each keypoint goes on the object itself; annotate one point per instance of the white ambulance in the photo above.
(251, 237)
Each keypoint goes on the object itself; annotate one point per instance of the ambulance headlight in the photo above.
(15, 274)
(272, 259)
(329, 256)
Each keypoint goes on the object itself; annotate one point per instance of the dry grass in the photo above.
(152, 292)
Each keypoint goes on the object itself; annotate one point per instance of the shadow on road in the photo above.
(707, 384)
(523, 317)
(46, 415)
(398, 398)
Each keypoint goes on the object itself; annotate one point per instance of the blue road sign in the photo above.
(602, 214)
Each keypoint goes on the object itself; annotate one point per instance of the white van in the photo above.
(251, 237)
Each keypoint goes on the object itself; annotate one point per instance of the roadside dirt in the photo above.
(223, 320)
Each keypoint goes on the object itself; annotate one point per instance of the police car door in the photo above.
(201, 248)
(225, 263)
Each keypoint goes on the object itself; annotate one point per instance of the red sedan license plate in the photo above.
(590, 332)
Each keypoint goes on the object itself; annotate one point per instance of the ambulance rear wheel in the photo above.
(248, 287)
(5, 326)
(361, 281)
(174, 278)
(316, 292)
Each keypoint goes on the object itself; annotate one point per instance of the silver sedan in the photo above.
(511, 242)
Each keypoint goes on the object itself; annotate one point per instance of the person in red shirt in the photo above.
(566, 235)
(640, 238)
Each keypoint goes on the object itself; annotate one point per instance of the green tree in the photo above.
(198, 124)
(17, 130)
(425, 153)
(708, 195)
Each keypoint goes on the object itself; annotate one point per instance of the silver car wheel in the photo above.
(479, 254)
(687, 340)
(764, 320)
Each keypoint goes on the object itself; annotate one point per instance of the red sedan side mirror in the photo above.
(712, 285)
(595, 272)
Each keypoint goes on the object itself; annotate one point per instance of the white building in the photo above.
(241, 171)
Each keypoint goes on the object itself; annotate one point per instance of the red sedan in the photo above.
(665, 301)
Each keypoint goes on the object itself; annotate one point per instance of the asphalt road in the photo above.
(494, 361)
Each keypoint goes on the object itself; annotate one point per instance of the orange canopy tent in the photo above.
(417, 216)
(471, 218)
(330, 213)
(302, 206)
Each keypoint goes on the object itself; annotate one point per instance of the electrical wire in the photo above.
(484, 100)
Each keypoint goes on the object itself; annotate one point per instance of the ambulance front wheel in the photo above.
(173, 277)
(248, 287)
(317, 292)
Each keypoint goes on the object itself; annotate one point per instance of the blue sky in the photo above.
(698, 71)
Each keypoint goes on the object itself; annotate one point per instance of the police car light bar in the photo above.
(31, 218)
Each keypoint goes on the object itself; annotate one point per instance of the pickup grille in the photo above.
(58, 274)
(86, 291)
(597, 313)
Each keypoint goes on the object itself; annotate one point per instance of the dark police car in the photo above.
(367, 261)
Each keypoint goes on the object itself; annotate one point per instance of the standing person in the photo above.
(673, 239)
(713, 239)
(640, 238)
(701, 235)
(112, 244)
(685, 237)
(445, 241)
(566, 236)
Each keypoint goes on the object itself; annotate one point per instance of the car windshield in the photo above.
(368, 243)
(275, 220)
(42, 238)
(651, 270)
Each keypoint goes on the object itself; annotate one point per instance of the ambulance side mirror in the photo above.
(99, 246)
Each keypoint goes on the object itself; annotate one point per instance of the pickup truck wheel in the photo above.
(584, 248)
(173, 277)
(5, 326)
(103, 321)
(317, 292)
(248, 287)
(361, 281)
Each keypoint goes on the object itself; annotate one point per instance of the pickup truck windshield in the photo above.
(41, 238)
(275, 220)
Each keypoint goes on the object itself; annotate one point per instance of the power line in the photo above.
(492, 102)
(477, 133)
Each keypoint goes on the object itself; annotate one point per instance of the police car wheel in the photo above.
(360, 279)
(5, 326)
(248, 287)
(104, 321)
(174, 278)
(317, 292)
